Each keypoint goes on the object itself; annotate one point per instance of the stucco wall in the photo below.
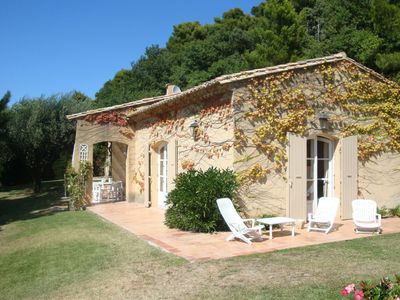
(212, 148)
(91, 133)
(270, 195)
(267, 196)
(379, 180)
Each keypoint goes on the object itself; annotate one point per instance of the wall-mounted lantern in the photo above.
(193, 129)
(323, 120)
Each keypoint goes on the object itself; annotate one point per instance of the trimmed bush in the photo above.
(192, 204)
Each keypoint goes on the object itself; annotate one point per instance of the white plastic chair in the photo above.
(96, 192)
(325, 214)
(236, 224)
(365, 216)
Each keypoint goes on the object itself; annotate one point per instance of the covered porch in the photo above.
(148, 224)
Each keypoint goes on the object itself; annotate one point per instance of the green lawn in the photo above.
(48, 254)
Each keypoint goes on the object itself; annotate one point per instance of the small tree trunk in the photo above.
(37, 180)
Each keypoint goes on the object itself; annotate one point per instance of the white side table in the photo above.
(277, 221)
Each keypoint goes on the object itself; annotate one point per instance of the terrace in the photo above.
(148, 224)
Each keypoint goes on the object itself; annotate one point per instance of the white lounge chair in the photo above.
(325, 214)
(365, 216)
(236, 224)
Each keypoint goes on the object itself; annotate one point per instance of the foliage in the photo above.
(395, 211)
(384, 212)
(113, 117)
(3, 122)
(192, 203)
(386, 289)
(360, 104)
(76, 182)
(38, 133)
(100, 151)
(275, 32)
(389, 212)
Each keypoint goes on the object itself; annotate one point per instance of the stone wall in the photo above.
(211, 148)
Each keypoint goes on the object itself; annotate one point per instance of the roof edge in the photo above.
(154, 102)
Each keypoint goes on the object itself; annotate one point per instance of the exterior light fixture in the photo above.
(323, 120)
(193, 129)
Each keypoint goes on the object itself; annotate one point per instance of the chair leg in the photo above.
(245, 239)
(329, 228)
(230, 238)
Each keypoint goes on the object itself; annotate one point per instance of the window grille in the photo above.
(83, 152)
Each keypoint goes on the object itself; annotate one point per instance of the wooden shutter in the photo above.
(147, 176)
(297, 151)
(349, 174)
(172, 163)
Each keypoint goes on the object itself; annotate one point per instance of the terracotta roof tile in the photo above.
(147, 104)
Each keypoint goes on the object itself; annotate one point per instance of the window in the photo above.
(83, 152)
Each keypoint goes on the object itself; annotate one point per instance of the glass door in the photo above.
(162, 176)
(319, 171)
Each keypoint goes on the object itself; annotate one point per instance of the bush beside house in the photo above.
(192, 204)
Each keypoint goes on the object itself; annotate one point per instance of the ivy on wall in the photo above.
(213, 114)
(76, 184)
(359, 103)
(116, 118)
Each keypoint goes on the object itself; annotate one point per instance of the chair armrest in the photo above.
(379, 217)
(235, 226)
(309, 217)
(253, 221)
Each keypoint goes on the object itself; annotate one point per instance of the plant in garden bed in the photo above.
(77, 184)
(386, 289)
(395, 211)
(192, 204)
(384, 212)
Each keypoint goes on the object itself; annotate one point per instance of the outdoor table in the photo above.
(277, 221)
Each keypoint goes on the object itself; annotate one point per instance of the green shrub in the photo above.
(76, 182)
(395, 211)
(384, 212)
(192, 204)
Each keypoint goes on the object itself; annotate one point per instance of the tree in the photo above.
(276, 32)
(39, 132)
(3, 122)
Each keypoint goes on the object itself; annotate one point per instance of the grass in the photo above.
(46, 253)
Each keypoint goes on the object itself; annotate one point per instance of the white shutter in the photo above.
(349, 174)
(297, 202)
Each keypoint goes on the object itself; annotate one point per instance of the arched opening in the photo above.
(109, 171)
(320, 167)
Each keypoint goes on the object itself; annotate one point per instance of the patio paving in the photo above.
(148, 224)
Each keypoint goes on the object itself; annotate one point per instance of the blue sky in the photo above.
(56, 46)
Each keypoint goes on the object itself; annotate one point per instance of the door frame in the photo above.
(331, 183)
(160, 197)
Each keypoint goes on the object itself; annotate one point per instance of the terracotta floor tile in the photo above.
(148, 224)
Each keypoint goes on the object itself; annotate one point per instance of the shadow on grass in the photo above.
(20, 203)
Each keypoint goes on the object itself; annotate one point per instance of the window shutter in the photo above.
(297, 151)
(349, 174)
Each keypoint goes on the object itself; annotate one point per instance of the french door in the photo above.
(319, 171)
(162, 176)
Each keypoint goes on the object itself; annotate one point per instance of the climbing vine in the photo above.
(213, 116)
(109, 117)
(116, 118)
(76, 182)
(358, 102)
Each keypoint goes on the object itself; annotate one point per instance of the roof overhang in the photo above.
(148, 104)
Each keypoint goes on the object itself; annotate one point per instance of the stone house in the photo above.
(218, 124)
